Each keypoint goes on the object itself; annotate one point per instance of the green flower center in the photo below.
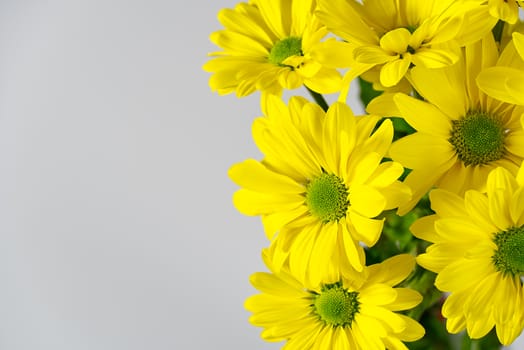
(478, 138)
(290, 46)
(336, 306)
(509, 256)
(327, 197)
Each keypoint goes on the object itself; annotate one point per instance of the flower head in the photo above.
(349, 313)
(478, 253)
(461, 133)
(268, 46)
(398, 34)
(321, 185)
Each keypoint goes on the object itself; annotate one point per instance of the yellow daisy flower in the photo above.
(462, 134)
(506, 83)
(348, 314)
(398, 34)
(268, 45)
(321, 185)
(478, 253)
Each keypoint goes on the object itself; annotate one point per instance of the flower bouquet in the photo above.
(402, 228)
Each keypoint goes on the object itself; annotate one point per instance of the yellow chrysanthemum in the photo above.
(357, 314)
(462, 134)
(321, 185)
(398, 34)
(478, 253)
(268, 45)
(506, 83)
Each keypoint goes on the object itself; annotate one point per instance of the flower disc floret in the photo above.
(478, 138)
(509, 256)
(336, 306)
(327, 197)
(290, 46)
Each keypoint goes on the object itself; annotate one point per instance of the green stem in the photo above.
(497, 30)
(319, 99)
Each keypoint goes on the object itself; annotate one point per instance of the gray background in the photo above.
(116, 225)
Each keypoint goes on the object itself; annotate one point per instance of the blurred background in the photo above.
(117, 230)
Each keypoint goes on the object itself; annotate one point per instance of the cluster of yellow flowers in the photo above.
(454, 71)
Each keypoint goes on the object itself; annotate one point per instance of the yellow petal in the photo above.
(477, 207)
(391, 319)
(352, 249)
(361, 167)
(475, 25)
(301, 11)
(385, 174)
(424, 80)
(384, 105)
(253, 175)
(434, 58)
(424, 228)
(366, 200)
(270, 284)
(290, 79)
(238, 43)
(518, 41)
(335, 14)
(447, 204)
(255, 203)
(395, 41)
(239, 22)
(369, 229)
(406, 299)
(300, 251)
(274, 14)
(422, 116)
(494, 82)
(506, 11)
(334, 54)
(392, 72)
(325, 81)
(463, 274)
(372, 55)
(392, 271)
(341, 341)
(380, 141)
(378, 294)
(458, 229)
(421, 151)
(322, 252)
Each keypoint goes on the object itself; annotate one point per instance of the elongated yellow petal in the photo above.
(366, 201)
(406, 299)
(252, 175)
(395, 41)
(434, 58)
(255, 203)
(369, 229)
(392, 72)
(336, 13)
(494, 82)
(422, 116)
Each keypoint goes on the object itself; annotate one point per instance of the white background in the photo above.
(116, 225)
